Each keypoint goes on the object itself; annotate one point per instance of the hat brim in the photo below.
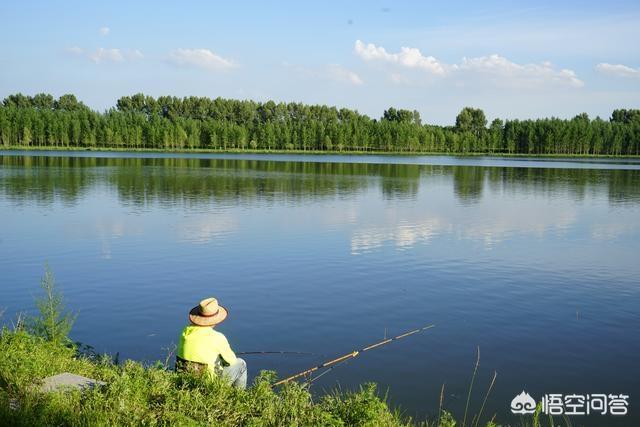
(197, 319)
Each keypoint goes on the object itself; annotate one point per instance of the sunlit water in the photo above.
(536, 262)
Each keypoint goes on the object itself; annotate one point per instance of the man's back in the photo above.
(200, 344)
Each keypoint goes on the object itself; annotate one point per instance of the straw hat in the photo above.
(208, 313)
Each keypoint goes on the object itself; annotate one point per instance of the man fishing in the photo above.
(204, 350)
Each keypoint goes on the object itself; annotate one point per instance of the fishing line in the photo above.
(242, 353)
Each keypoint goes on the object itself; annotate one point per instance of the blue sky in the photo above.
(512, 59)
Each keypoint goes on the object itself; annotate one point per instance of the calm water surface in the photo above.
(536, 262)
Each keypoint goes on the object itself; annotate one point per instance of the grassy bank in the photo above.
(136, 395)
(314, 152)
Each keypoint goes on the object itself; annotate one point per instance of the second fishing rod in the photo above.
(330, 364)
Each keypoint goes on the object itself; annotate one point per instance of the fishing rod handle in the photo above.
(298, 375)
(315, 368)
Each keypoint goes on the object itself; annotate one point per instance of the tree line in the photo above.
(171, 123)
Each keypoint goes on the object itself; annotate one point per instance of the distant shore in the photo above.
(317, 152)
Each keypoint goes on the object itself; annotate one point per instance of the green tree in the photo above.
(53, 323)
(43, 101)
(471, 120)
(68, 102)
(26, 136)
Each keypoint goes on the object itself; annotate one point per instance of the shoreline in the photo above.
(316, 152)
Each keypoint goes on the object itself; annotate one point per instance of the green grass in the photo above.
(136, 395)
(320, 152)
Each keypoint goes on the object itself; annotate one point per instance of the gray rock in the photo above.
(67, 380)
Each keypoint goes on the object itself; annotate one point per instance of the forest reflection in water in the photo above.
(141, 181)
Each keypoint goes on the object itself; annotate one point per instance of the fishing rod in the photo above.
(332, 367)
(353, 354)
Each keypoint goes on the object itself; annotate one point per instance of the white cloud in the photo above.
(338, 73)
(618, 70)
(104, 31)
(407, 57)
(334, 72)
(508, 72)
(520, 74)
(103, 55)
(201, 58)
(106, 55)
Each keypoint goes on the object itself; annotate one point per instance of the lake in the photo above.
(534, 261)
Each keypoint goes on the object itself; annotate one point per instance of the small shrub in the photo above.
(52, 323)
